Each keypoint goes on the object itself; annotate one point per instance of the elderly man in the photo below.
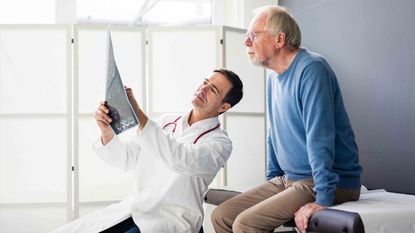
(312, 155)
(174, 161)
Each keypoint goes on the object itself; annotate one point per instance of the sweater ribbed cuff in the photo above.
(325, 199)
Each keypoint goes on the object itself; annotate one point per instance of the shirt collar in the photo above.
(203, 124)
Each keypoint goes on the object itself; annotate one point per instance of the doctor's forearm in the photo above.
(142, 117)
(107, 135)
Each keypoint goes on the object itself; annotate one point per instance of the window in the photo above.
(160, 12)
(140, 12)
(27, 11)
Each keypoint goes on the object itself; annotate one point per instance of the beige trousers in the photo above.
(266, 207)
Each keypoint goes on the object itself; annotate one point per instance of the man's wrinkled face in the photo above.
(259, 42)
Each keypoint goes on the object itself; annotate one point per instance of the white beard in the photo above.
(256, 62)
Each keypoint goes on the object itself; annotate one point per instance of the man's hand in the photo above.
(103, 121)
(303, 215)
(142, 117)
(132, 99)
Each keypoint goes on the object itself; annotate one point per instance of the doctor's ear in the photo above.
(225, 107)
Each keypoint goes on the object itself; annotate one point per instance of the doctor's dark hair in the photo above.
(236, 92)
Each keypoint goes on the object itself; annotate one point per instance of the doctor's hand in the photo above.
(142, 117)
(103, 122)
(302, 216)
(131, 98)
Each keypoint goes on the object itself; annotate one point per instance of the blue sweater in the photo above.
(310, 135)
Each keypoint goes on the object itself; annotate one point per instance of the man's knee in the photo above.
(221, 217)
(239, 223)
(250, 221)
(216, 214)
(243, 223)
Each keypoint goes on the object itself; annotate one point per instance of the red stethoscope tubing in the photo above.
(198, 137)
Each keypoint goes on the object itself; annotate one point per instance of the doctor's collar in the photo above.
(201, 123)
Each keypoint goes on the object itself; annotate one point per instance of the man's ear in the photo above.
(279, 40)
(225, 107)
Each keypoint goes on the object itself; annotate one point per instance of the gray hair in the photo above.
(279, 19)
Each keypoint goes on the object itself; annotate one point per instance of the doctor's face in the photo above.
(210, 94)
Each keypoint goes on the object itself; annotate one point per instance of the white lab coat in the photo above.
(171, 175)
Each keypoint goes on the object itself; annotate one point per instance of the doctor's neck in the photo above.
(196, 116)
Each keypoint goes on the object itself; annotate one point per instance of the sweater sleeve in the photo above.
(273, 168)
(317, 96)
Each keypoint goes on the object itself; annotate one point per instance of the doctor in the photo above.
(174, 161)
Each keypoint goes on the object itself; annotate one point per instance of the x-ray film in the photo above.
(121, 112)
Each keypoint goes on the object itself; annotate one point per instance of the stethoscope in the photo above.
(174, 123)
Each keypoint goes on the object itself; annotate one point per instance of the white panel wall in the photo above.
(246, 122)
(246, 167)
(252, 76)
(31, 219)
(23, 175)
(35, 121)
(33, 63)
(179, 59)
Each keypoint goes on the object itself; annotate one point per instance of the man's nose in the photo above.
(248, 42)
(203, 89)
